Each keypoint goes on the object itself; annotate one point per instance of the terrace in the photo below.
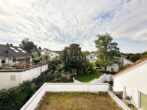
(70, 96)
(77, 101)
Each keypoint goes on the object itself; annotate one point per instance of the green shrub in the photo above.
(14, 98)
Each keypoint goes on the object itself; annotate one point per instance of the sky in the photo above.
(55, 24)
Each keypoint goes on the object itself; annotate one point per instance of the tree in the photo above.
(86, 53)
(107, 51)
(35, 56)
(132, 56)
(73, 58)
(144, 55)
(39, 49)
(28, 45)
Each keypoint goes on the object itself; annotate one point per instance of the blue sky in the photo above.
(55, 24)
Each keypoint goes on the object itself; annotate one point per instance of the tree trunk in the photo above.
(105, 68)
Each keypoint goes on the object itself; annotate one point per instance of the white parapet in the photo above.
(12, 78)
(63, 87)
(118, 101)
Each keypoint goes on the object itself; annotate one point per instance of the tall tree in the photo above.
(73, 58)
(28, 45)
(107, 50)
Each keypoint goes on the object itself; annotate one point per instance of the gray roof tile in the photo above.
(12, 51)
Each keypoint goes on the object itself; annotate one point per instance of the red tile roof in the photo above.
(131, 66)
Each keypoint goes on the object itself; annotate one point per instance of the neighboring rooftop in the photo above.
(12, 51)
(49, 51)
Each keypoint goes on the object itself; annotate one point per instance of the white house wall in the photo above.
(33, 73)
(134, 80)
(53, 55)
(5, 79)
(7, 61)
(115, 67)
(7, 82)
(126, 62)
(92, 58)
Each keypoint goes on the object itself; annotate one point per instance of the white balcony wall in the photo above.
(134, 81)
(11, 78)
(63, 87)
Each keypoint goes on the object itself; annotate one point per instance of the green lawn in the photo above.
(87, 77)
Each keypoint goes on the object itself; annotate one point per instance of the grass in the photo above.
(77, 101)
(6, 68)
(87, 77)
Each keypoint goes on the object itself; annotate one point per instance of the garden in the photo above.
(87, 76)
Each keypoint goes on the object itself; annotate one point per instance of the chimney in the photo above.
(11, 44)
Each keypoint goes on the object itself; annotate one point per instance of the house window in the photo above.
(12, 77)
(3, 61)
(14, 59)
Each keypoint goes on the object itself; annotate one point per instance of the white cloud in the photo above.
(130, 21)
(57, 23)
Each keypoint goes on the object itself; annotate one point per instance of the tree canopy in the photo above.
(73, 58)
(135, 56)
(107, 50)
(30, 47)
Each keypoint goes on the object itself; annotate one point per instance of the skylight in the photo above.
(14, 49)
(21, 50)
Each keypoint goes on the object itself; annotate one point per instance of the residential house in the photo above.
(113, 68)
(125, 61)
(12, 56)
(50, 53)
(15, 66)
(12, 78)
(92, 57)
(116, 67)
(132, 82)
(54, 54)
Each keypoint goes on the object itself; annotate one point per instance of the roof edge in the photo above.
(138, 62)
